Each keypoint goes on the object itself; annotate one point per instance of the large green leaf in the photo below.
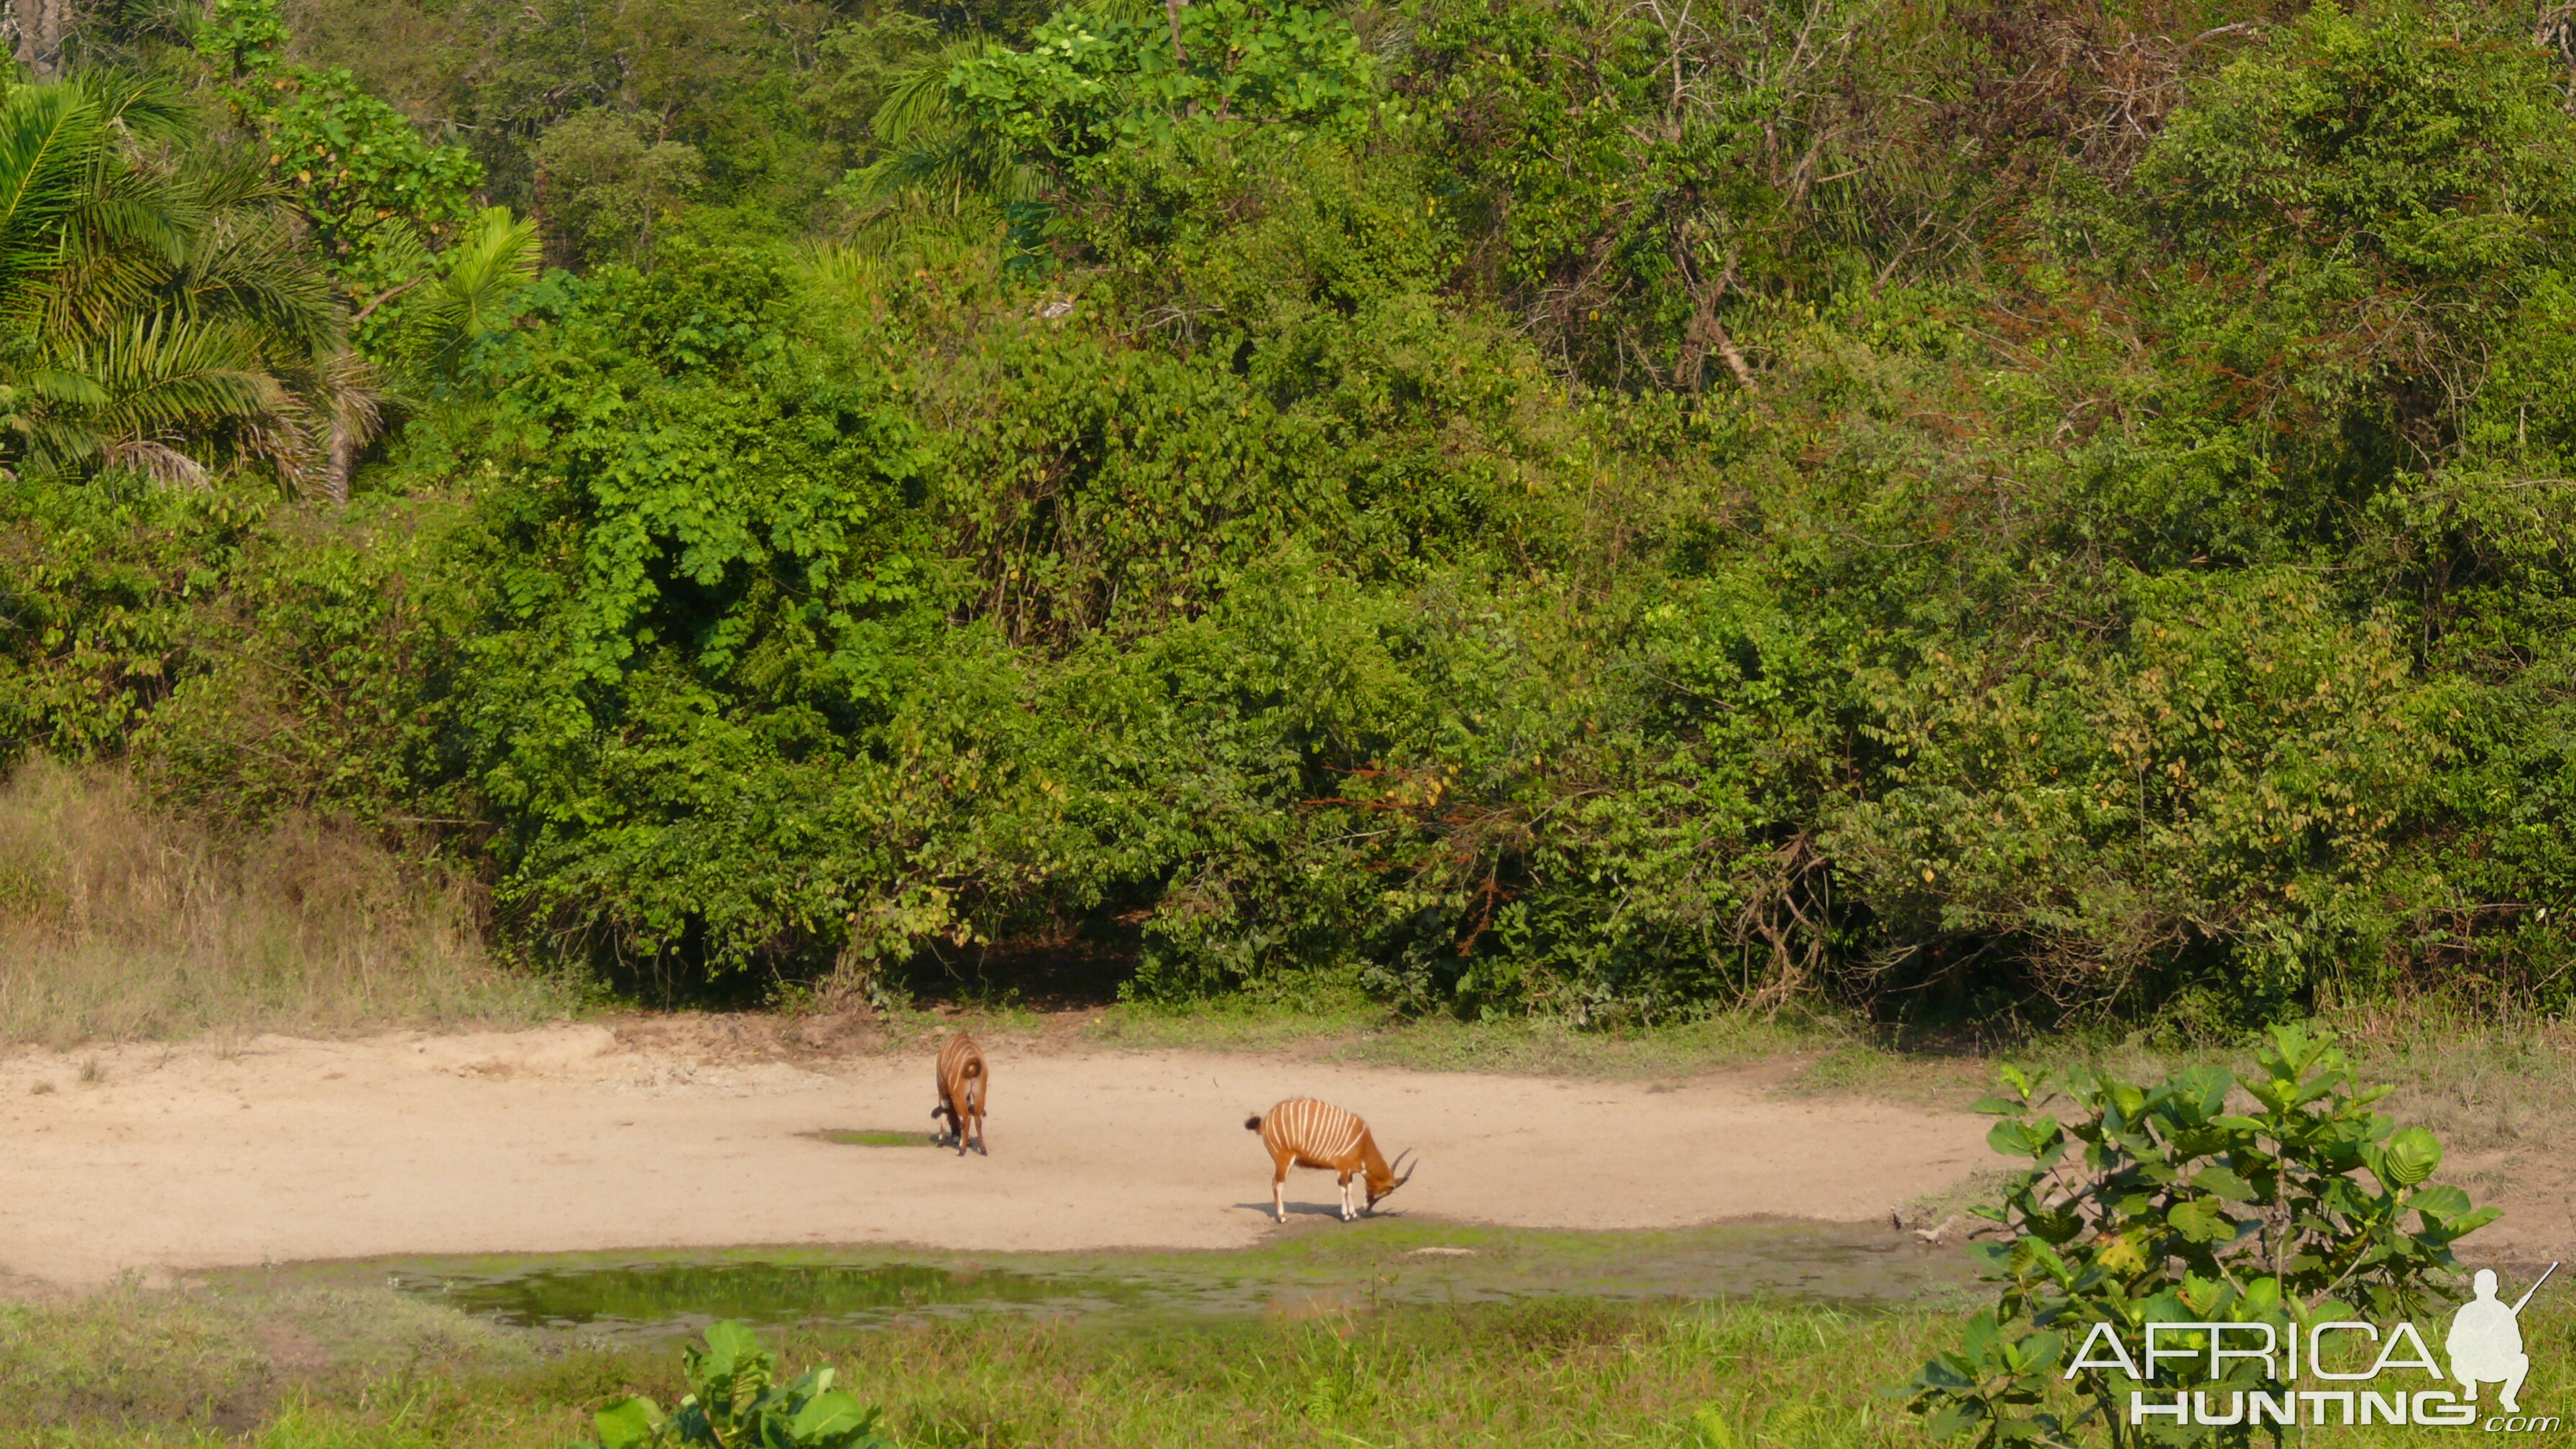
(629, 1423)
(2411, 1156)
(830, 1417)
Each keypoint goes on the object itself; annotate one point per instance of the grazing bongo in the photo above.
(1302, 1132)
(963, 1083)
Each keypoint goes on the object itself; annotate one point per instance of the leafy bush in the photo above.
(96, 590)
(694, 549)
(734, 1402)
(1522, 507)
(1089, 82)
(2157, 1204)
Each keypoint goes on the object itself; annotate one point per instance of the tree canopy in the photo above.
(2025, 506)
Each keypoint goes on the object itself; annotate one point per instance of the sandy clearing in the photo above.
(561, 1139)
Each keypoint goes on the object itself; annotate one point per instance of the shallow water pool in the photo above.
(1327, 1270)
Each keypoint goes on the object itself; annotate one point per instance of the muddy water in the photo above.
(1329, 1269)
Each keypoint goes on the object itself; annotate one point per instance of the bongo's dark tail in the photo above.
(1252, 1124)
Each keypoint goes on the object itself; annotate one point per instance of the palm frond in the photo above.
(145, 301)
(60, 385)
(836, 267)
(220, 178)
(351, 389)
(136, 210)
(166, 371)
(949, 168)
(245, 267)
(494, 257)
(54, 444)
(88, 237)
(155, 460)
(919, 99)
(141, 104)
(49, 139)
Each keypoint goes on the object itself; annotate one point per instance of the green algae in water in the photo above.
(874, 1137)
(1332, 1270)
(652, 1295)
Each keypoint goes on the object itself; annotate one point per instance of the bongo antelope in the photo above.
(963, 1081)
(1302, 1132)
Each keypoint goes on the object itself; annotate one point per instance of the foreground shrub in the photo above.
(734, 1399)
(2170, 1209)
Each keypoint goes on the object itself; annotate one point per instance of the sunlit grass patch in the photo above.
(306, 1370)
(118, 920)
(872, 1137)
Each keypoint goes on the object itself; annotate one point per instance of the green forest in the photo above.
(1607, 509)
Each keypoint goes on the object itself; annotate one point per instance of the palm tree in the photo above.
(469, 293)
(930, 150)
(151, 301)
(463, 294)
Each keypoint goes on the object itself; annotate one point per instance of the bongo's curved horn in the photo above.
(1399, 1162)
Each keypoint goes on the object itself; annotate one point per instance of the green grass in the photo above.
(2480, 1079)
(873, 1137)
(323, 1369)
(1346, 1027)
(1565, 1371)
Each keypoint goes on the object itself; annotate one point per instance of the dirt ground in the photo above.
(684, 1131)
(655, 1135)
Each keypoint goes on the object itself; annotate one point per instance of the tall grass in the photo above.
(118, 920)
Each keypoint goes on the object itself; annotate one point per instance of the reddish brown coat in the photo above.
(1302, 1132)
(964, 1081)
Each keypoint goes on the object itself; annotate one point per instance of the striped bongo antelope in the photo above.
(963, 1081)
(1302, 1132)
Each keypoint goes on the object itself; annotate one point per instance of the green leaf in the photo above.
(2277, 1093)
(2438, 1203)
(2040, 1139)
(830, 1414)
(2410, 1157)
(729, 1341)
(2292, 1048)
(2037, 1352)
(628, 1423)
(2039, 1254)
(1979, 1342)
(2201, 1092)
(2467, 1223)
(2199, 1220)
(2223, 1183)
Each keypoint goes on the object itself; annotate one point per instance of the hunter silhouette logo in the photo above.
(2485, 1344)
(2484, 1347)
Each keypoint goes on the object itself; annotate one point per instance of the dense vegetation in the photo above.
(1503, 504)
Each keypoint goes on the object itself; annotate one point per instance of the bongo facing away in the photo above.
(963, 1082)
